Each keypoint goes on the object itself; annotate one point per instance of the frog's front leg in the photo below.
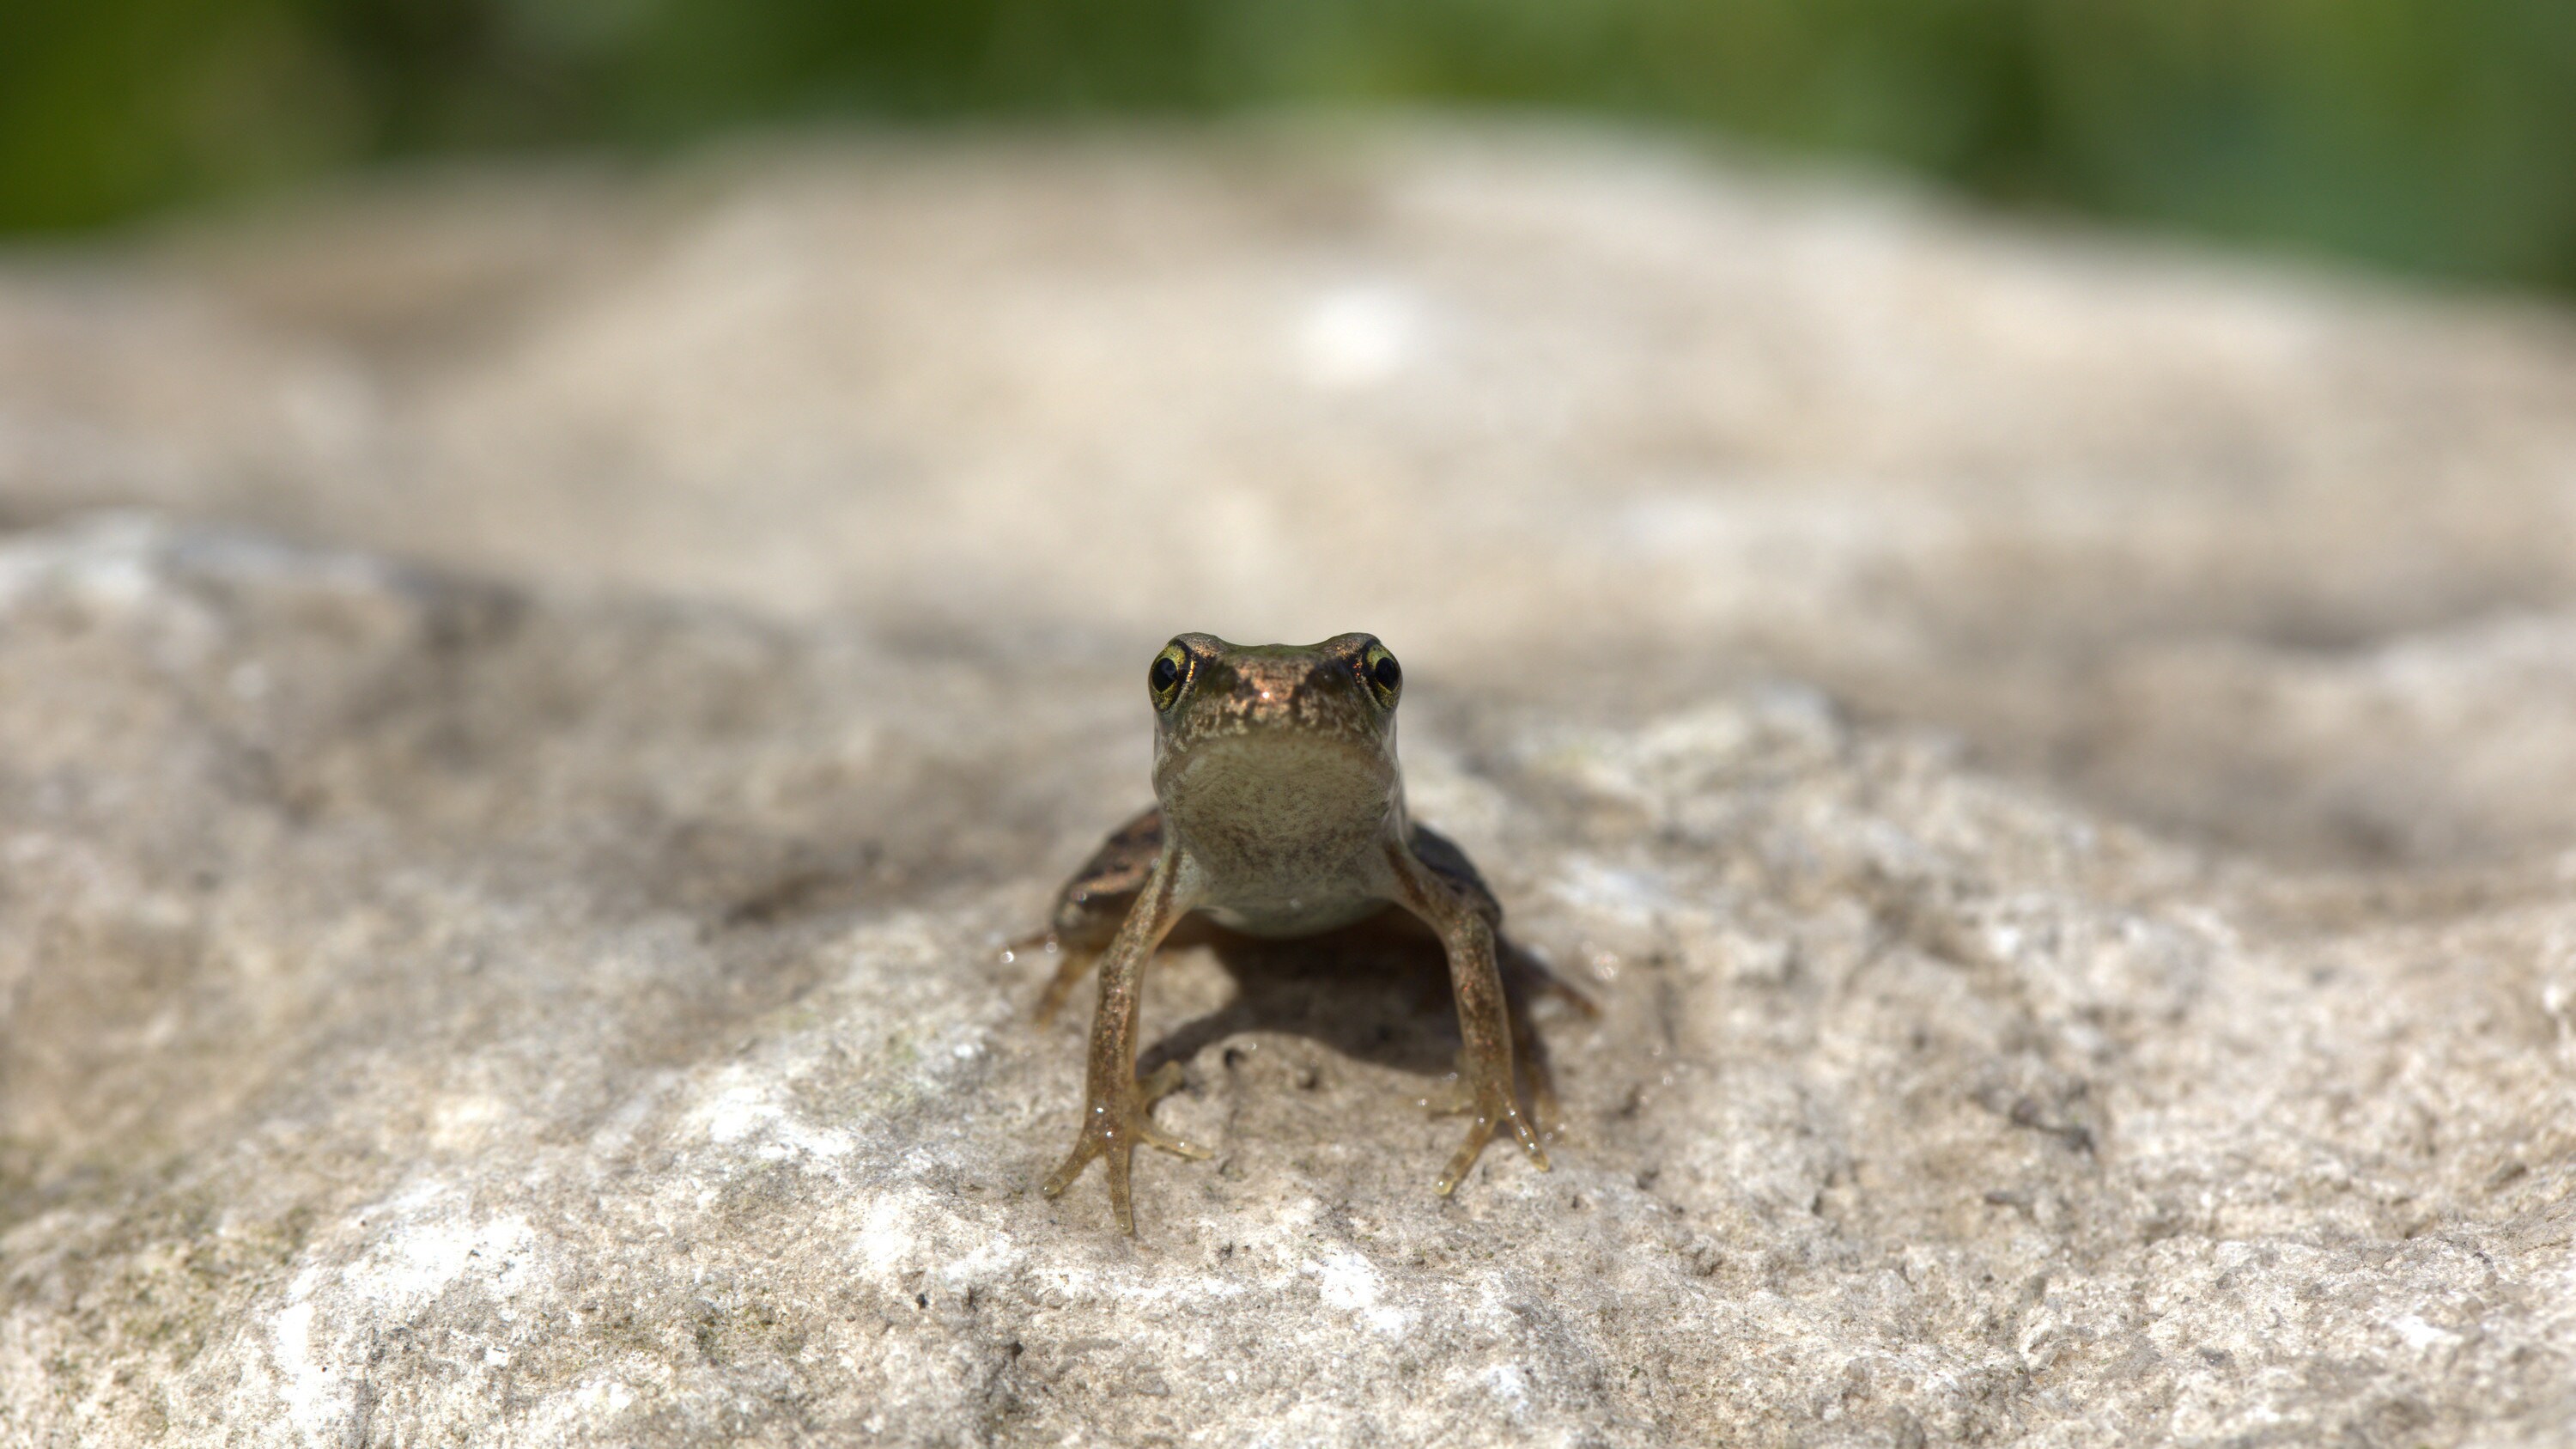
(1465, 921)
(1117, 1110)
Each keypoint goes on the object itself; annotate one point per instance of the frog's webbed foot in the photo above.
(1112, 1129)
(1455, 1095)
(1496, 1105)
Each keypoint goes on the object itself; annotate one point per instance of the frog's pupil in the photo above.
(1387, 672)
(1164, 674)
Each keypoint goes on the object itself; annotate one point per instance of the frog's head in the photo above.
(1271, 752)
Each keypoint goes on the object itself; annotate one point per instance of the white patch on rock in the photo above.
(1347, 1281)
(1359, 335)
(743, 1106)
(313, 1401)
(333, 1316)
(886, 1239)
(2420, 1334)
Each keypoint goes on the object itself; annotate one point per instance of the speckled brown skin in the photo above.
(1282, 814)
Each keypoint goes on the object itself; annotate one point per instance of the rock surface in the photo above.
(527, 705)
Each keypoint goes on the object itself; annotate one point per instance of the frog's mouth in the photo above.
(1273, 802)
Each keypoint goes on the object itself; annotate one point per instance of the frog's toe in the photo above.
(1153, 1136)
(1545, 1110)
(1491, 1114)
(1122, 1191)
(1120, 1150)
(1464, 1159)
(1112, 1132)
(1159, 1083)
(1163, 1082)
(1085, 1148)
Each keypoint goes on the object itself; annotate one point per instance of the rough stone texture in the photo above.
(527, 703)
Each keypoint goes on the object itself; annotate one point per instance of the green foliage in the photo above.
(2437, 135)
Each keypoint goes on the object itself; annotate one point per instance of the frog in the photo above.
(1280, 814)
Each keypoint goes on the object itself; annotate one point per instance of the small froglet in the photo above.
(1280, 814)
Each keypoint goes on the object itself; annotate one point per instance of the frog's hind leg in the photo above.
(1092, 905)
(1529, 1053)
(1069, 972)
(1528, 972)
(1075, 958)
(1529, 1050)
(1526, 978)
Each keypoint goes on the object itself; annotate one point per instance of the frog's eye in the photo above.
(1169, 671)
(1384, 676)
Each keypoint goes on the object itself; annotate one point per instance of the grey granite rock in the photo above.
(528, 705)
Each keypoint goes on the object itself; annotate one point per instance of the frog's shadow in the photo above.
(1377, 991)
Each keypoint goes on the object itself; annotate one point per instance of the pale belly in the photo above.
(1284, 835)
(1278, 919)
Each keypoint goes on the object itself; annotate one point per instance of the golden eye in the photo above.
(1385, 677)
(1170, 670)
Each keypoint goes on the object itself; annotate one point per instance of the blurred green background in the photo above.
(2435, 136)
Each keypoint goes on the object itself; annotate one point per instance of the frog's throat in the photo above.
(1268, 810)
